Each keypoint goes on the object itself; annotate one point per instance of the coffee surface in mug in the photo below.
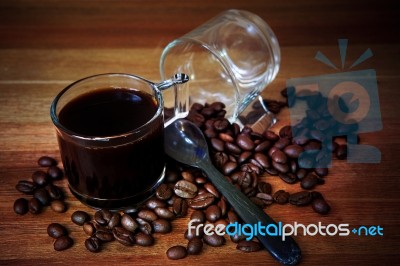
(112, 174)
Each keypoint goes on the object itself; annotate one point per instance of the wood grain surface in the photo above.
(45, 45)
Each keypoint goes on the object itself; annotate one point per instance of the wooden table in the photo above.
(45, 45)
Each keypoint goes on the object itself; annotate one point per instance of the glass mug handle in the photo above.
(181, 96)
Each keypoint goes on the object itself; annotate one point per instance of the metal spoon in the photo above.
(185, 143)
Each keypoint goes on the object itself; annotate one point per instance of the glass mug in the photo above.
(231, 59)
(110, 130)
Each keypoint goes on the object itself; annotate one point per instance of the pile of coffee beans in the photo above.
(44, 192)
(60, 234)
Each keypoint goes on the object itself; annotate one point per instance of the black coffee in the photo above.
(112, 175)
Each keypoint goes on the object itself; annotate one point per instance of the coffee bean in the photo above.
(210, 188)
(300, 198)
(144, 226)
(104, 235)
(21, 206)
(80, 217)
(223, 205)
(321, 172)
(89, 228)
(310, 181)
(244, 156)
(40, 178)
(185, 189)
(279, 157)
(176, 252)
(266, 198)
(34, 206)
(161, 226)
(63, 243)
(270, 135)
(221, 124)
(320, 206)
(147, 215)
(102, 217)
(201, 201)
(123, 236)
(232, 217)
(263, 146)
(220, 159)
(236, 238)
(248, 246)
(188, 176)
(54, 172)
(229, 167)
(55, 193)
(306, 162)
(180, 206)
(58, 206)
(55, 230)
(341, 152)
(114, 221)
(293, 151)
(129, 223)
(282, 143)
(289, 178)
(264, 187)
(214, 240)
(283, 168)
(213, 213)
(143, 239)
(47, 161)
(26, 187)
(42, 195)
(171, 176)
(245, 142)
(210, 133)
(153, 203)
(262, 159)
(164, 213)
(271, 171)
(93, 244)
(232, 148)
(301, 173)
(164, 192)
(258, 202)
(194, 246)
(281, 197)
(217, 144)
(226, 137)
(198, 216)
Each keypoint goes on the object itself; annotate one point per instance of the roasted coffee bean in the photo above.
(153, 203)
(217, 144)
(262, 159)
(279, 157)
(220, 159)
(123, 236)
(143, 239)
(236, 238)
(244, 142)
(171, 176)
(281, 197)
(54, 172)
(80, 217)
(210, 133)
(93, 244)
(283, 168)
(34, 206)
(102, 217)
(223, 205)
(309, 181)
(40, 178)
(263, 146)
(26, 187)
(114, 221)
(201, 201)
(316, 195)
(301, 173)
(249, 191)
(213, 213)
(147, 215)
(161, 226)
(270, 135)
(198, 216)
(289, 178)
(232, 148)
(245, 180)
(63, 243)
(188, 176)
(47, 161)
(214, 240)
(210, 188)
(128, 222)
(226, 137)
(89, 228)
(244, 156)
(164, 192)
(144, 226)
(264, 187)
(232, 217)
(341, 152)
(104, 235)
(194, 246)
(185, 189)
(257, 201)
(293, 151)
(300, 140)
(282, 143)
(42, 195)
(321, 172)
(176, 252)
(320, 206)
(54, 192)
(55, 230)
(21, 206)
(200, 181)
(221, 124)
(58, 206)
(248, 246)
(180, 206)
(266, 198)
(164, 213)
(271, 171)
(306, 162)
(229, 168)
(300, 198)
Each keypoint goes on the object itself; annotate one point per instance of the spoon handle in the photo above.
(285, 251)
